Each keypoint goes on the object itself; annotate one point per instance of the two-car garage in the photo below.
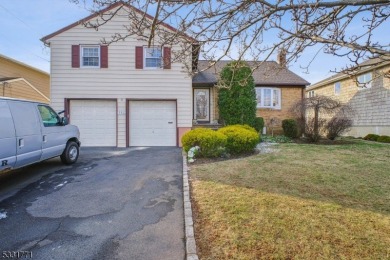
(148, 122)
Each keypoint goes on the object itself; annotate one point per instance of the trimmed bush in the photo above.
(259, 124)
(384, 139)
(290, 128)
(211, 142)
(337, 126)
(371, 137)
(247, 127)
(240, 138)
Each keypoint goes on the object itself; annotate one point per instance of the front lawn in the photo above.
(302, 201)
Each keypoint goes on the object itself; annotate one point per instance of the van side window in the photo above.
(49, 117)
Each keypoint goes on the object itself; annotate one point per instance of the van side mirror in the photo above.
(64, 121)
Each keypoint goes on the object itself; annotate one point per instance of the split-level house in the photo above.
(130, 93)
(366, 90)
(19, 80)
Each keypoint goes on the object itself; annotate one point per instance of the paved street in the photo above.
(112, 204)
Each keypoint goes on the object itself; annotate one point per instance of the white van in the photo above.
(31, 132)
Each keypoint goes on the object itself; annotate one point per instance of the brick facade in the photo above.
(290, 95)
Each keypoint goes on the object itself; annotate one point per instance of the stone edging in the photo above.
(188, 221)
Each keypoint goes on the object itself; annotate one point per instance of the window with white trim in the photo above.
(337, 88)
(268, 97)
(364, 81)
(152, 57)
(90, 56)
(310, 94)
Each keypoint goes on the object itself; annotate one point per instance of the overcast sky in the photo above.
(24, 22)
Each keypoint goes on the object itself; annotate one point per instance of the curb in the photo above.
(188, 221)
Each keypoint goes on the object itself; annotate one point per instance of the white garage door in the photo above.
(152, 123)
(96, 120)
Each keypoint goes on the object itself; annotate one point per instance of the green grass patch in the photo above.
(303, 201)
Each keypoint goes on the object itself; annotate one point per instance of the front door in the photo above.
(202, 105)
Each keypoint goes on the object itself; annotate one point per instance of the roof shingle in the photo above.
(265, 73)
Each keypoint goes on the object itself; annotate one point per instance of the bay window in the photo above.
(268, 97)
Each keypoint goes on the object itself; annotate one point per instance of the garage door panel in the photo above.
(152, 123)
(96, 120)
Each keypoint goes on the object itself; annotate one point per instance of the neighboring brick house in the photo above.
(19, 80)
(277, 89)
(367, 92)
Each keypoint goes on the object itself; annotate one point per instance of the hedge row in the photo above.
(377, 138)
(234, 139)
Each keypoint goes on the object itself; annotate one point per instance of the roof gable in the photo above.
(23, 64)
(101, 12)
(363, 67)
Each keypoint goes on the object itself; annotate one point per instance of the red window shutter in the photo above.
(103, 56)
(139, 57)
(167, 58)
(75, 56)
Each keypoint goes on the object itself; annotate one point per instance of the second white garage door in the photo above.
(96, 120)
(152, 123)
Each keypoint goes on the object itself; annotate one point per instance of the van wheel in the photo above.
(70, 154)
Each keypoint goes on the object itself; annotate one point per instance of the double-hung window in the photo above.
(310, 94)
(90, 56)
(268, 97)
(153, 57)
(364, 81)
(337, 88)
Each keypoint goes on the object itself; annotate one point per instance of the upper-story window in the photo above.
(310, 94)
(153, 57)
(364, 81)
(337, 88)
(268, 97)
(90, 56)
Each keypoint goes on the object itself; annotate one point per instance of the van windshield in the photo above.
(49, 117)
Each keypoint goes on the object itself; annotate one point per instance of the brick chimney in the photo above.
(281, 59)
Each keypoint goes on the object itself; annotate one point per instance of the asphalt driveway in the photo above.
(112, 204)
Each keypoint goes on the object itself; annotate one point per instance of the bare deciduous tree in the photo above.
(322, 115)
(255, 29)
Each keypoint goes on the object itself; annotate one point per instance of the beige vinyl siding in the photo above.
(38, 79)
(120, 80)
(21, 89)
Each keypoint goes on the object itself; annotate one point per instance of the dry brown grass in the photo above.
(304, 202)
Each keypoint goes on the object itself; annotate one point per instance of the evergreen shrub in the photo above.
(211, 143)
(240, 138)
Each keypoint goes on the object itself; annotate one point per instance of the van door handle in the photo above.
(21, 142)
(44, 139)
(170, 122)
